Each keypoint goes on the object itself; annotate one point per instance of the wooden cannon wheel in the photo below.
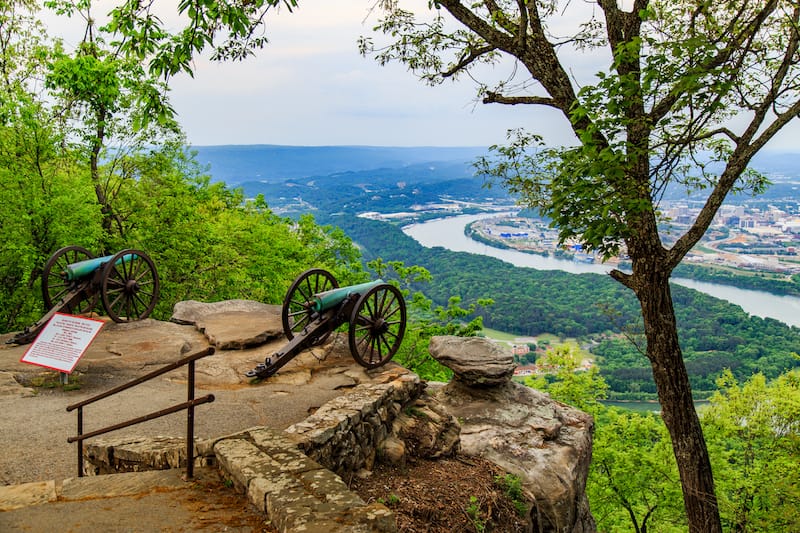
(377, 325)
(55, 286)
(297, 311)
(129, 286)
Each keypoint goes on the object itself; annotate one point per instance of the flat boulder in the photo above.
(231, 324)
(475, 361)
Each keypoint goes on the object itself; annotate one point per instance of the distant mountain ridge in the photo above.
(235, 164)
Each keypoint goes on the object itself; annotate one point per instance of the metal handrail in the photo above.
(189, 405)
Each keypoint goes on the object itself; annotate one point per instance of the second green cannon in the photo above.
(315, 306)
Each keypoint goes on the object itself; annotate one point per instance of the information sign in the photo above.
(62, 342)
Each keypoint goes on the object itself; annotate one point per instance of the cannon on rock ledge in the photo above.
(73, 281)
(315, 306)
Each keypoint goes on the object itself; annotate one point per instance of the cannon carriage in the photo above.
(315, 306)
(74, 281)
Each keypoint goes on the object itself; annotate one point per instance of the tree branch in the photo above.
(467, 59)
(661, 108)
(626, 279)
(496, 98)
(737, 163)
(750, 142)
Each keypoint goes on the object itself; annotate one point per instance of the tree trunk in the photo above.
(94, 159)
(677, 407)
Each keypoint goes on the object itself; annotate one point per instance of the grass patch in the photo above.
(499, 335)
(512, 487)
(53, 380)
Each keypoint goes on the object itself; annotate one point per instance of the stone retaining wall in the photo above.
(345, 434)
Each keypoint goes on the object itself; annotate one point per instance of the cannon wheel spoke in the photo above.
(130, 286)
(55, 286)
(377, 326)
(297, 313)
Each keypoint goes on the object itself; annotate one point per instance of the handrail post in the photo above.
(190, 425)
(80, 442)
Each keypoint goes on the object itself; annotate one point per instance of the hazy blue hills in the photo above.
(384, 190)
(786, 164)
(330, 179)
(235, 164)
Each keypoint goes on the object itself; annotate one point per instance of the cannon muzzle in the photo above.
(329, 299)
(81, 269)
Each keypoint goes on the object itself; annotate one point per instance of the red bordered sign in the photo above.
(62, 342)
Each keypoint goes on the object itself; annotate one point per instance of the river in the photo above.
(449, 233)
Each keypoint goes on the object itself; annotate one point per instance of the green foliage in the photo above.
(232, 30)
(426, 320)
(632, 483)
(43, 192)
(568, 187)
(753, 432)
(511, 485)
(473, 510)
(565, 382)
(390, 501)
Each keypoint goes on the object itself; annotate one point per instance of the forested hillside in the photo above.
(716, 335)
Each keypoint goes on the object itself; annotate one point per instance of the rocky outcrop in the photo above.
(475, 361)
(547, 443)
(426, 430)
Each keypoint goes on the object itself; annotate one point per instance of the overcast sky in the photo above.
(310, 86)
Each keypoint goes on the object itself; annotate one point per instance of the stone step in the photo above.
(80, 488)
(295, 492)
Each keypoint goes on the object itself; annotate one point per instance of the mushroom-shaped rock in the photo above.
(475, 361)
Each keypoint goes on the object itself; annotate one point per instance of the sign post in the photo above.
(62, 342)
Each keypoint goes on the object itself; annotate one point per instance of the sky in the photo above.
(309, 86)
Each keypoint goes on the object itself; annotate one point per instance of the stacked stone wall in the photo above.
(345, 434)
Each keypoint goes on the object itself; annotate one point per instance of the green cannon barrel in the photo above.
(81, 269)
(328, 299)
